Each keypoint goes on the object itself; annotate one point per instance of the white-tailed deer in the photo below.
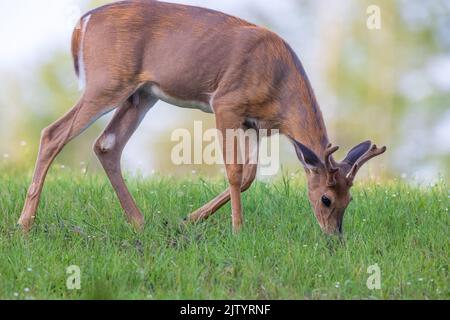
(131, 54)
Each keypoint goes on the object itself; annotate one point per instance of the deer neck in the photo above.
(303, 118)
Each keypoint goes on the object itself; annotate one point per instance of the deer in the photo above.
(128, 55)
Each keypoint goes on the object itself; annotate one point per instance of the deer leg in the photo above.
(235, 174)
(53, 140)
(110, 145)
(229, 122)
(250, 170)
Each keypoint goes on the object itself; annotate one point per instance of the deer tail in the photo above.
(78, 49)
(76, 44)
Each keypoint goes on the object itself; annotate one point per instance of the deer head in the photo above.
(329, 182)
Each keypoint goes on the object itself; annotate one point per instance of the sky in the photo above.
(32, 28)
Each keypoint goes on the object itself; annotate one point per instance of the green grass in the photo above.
(281, 254)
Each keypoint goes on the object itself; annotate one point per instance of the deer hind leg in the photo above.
(249, 176)
(110, 145)
(55, 137)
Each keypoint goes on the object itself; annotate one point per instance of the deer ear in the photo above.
(306, 156)
(357, 152)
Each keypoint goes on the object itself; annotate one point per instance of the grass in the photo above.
(281, 254)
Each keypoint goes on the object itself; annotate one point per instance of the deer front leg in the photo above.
(250, 170)
(214, 205)
(110, 145)
(229, 123)
(234, 173)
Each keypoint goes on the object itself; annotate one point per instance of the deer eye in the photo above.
(326, 201)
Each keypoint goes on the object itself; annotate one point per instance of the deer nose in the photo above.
(334, 230)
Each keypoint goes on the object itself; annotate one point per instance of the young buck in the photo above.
(130, 54)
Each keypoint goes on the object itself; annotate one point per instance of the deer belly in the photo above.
(157, 92)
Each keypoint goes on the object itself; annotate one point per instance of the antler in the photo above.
(373, 152)
(329, 166)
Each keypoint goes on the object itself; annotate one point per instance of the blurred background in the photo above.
(390, 85)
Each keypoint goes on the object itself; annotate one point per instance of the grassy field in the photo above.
(281, 254)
